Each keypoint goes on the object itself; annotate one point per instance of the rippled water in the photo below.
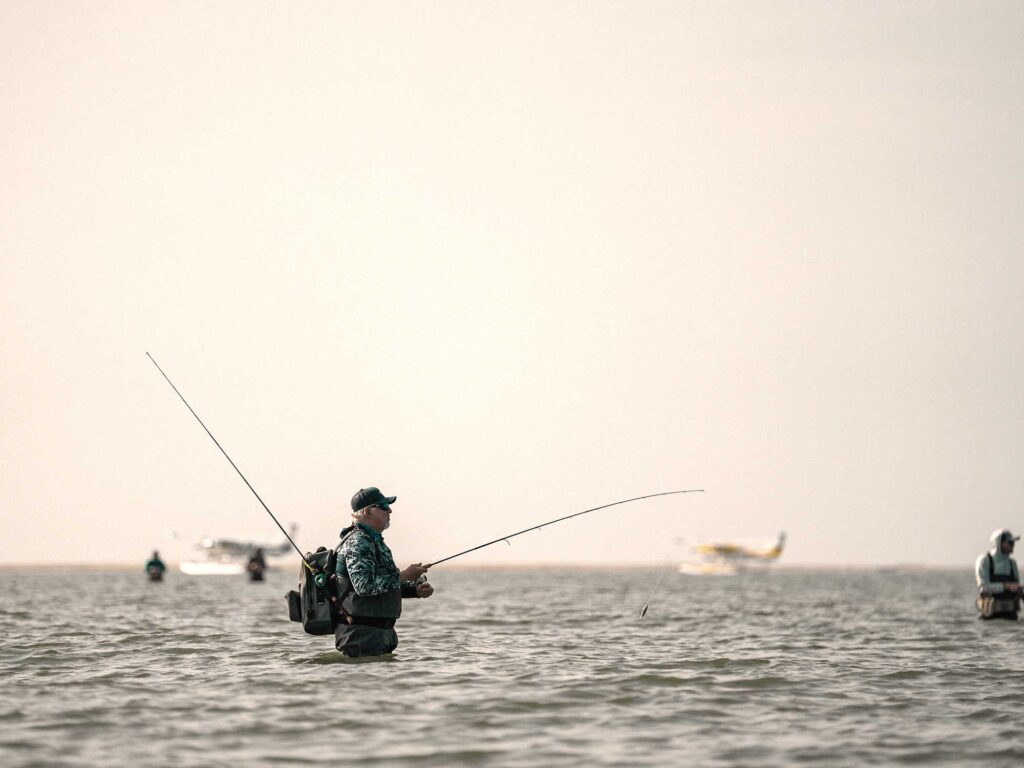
(514, 668)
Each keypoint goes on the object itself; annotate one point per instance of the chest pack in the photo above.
(1004, 605)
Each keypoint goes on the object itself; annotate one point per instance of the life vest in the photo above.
(325, 597)
(1004, 605)
(376, 610)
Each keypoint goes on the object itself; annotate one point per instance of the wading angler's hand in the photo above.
(423, 589)
(413, 572)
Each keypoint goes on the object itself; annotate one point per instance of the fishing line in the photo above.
(557, 520)
(231, 462)
(658, 582)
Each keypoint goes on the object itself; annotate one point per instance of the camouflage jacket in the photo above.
(369, 565)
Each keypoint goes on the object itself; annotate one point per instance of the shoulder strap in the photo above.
(345, 536)
(349, 534)
(991, 568)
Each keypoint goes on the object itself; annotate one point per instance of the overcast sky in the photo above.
(509, 261)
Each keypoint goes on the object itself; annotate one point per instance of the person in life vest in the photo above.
(998, 579)
(370, 586)
(155, 567)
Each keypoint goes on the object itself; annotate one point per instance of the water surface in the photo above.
(514, 668)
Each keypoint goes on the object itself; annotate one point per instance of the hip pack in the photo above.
(995, 605)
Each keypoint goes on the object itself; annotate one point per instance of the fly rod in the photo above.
(231, 462)
(557, 520)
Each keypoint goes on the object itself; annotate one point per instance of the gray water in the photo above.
(514, 668)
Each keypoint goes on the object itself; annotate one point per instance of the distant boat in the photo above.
(228, 557)
(727, 558)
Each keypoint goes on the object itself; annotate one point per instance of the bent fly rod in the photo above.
(304, 560)
(558, 520)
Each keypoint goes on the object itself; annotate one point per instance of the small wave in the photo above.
(19, 744)
(669, 681)
(290, 758)
(15, 615)
(770, 681)
(724, 663)
(182, 650)
(905, 674)
(525, 706)
(337, 657)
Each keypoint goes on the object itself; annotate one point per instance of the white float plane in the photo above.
(227, 557)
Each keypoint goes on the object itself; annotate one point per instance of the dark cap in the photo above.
(368, 497)
(1007, 536)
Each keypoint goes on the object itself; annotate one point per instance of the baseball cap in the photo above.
(369, 497)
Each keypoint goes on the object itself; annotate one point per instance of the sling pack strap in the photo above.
(346, 535)
(998, 579)
(1004, 604)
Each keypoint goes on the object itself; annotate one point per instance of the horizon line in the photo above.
(539, 565)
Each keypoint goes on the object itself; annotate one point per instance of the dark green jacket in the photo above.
(369, 581)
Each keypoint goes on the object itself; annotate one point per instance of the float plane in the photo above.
(227, 557)
(727, 557)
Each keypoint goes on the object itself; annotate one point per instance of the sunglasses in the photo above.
(385, 507)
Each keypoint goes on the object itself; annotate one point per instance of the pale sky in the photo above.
(509, 261)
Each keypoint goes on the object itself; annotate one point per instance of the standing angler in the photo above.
(155, 567)
(370, 586)
(998, 579)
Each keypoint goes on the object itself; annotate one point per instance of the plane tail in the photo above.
(780, 543)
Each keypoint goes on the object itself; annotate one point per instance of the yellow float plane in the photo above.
(726, 557)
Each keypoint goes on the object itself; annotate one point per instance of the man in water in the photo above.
(256, 565)
(370, 585)
(999, 579)
(155, 567)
